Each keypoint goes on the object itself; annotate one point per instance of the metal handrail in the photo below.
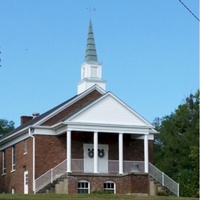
(163, 179)
(50, 175)
(113, 168)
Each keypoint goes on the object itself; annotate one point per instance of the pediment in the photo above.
(109, 110)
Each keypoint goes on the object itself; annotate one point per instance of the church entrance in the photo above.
(89, 158)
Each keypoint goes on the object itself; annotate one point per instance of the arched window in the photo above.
(83, 187)
(110, 186)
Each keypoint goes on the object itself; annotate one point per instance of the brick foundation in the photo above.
(125, 184)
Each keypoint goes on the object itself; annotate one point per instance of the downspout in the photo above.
(31, 135)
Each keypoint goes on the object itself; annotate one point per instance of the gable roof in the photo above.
(105, 112)
(48, 114)
(36, 119)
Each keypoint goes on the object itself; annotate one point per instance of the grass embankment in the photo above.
(86, 197)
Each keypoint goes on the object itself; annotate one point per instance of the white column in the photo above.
(121, 153)
(146, 154)
(68, 151)
(95, 152)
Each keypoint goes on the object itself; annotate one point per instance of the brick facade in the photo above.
(15, 179)
(50, 150)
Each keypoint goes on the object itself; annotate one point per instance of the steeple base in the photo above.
(87, 83)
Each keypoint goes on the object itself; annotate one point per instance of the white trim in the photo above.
(68, 151)
(109, 128)
(42, 130)
(10, 137)
(15, 140)
(146, 154)
(13, 191)
(135, 137)
(3, 162)
(26, 181)
(95, 143)
(84, 181)
(25, 147)
(33, 169)
(110, 189)
(13, 163)
(148, 125)
(120, 146)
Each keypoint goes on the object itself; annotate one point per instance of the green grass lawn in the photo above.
(86, 197)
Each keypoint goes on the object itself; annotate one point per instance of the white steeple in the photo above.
(91, 69)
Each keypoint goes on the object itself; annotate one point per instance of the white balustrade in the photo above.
(77, 165)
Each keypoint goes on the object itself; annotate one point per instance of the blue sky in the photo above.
(148, 48)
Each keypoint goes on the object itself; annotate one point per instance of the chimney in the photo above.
(35, 115)
(25, 119)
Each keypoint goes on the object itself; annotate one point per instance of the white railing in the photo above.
(171, 185)
(50, 175)
(113, 168)
(163, 179)
(133, 166)
(128, 166)
(77, 165)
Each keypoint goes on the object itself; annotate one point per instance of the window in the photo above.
(13, 158)
(83, 73)
(3, 162)
(94, 71)
(83, 187)
(109, 186)
(25, 146)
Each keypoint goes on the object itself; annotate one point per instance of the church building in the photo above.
(92, 142)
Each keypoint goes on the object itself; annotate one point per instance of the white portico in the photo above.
(106, 115)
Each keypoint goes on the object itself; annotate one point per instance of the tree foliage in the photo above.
(5, 126)
(177, 146)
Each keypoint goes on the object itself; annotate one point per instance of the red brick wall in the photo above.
(15, 179)
(139, 183)
(151, 151)
(50, 151)
(127, 184)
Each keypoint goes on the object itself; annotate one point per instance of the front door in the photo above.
(25, 182)
(89, 158)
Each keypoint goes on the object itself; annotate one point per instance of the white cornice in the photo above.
(107, 128)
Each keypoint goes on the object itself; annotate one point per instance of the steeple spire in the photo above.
(90, 54)
(91, 71)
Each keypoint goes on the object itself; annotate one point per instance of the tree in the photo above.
(177, 146)
(5, 126)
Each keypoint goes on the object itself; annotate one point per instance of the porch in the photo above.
(137, 167)
(77, 166)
